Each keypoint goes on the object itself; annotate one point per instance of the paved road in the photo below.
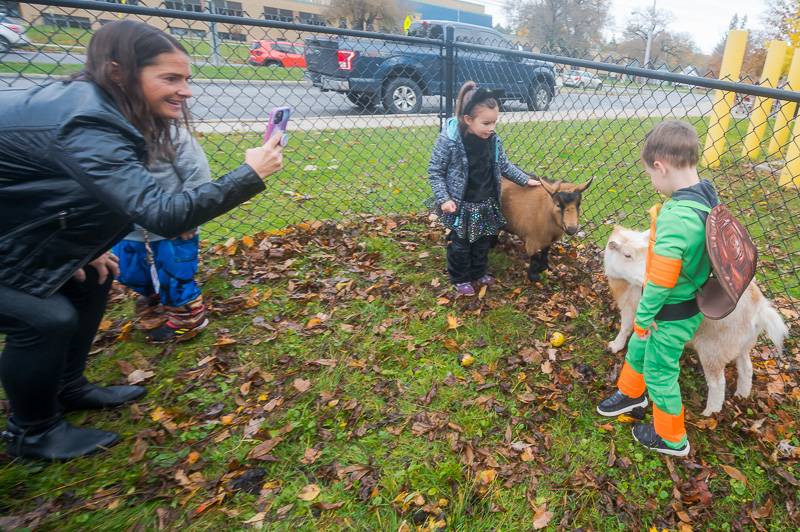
(239, 100)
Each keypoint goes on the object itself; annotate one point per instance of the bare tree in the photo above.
(366, 14)
(572, 27)
(649, 23)
(782, 19)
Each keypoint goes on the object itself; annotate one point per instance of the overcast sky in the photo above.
(705, 20)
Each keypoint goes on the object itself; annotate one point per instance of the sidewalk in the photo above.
(323, 123)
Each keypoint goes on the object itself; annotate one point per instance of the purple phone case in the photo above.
(280, 126)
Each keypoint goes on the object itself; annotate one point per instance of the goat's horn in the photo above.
(584, 186)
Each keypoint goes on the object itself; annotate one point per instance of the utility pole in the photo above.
(650, 31)
(214, 37)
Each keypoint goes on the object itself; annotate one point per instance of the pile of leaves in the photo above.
(337, 348)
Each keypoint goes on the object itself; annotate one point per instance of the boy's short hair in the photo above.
(673, 142)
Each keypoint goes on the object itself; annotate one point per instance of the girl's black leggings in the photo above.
(46, 346)
(467, 261)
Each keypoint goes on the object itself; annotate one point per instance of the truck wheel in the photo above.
(539, 97)
(362, 101)
(272, 63)
(402, 96)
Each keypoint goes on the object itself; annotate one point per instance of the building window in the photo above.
(184, 5)
(231, 9)
(312, 18)
(67, 21)
(282, 15)
(129, 2)
(10, 9)
(188, 32)
(239, 37)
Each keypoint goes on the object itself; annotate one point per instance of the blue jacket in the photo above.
(448, 168)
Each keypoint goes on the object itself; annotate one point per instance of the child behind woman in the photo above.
(160, 269)
(465, 169)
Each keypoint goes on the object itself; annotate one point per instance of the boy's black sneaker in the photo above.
(645, 433)
(619, 403)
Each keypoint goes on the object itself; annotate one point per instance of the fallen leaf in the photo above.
(452, 322)
(193, 457)
(223, 341)
(139, 375)
(263, 449)
(327, 506)
(105, 325)
(309, 493)
(301, 385)
(256, 519)
(248, 241)
(283, 510)
(547, 368)
(735, 473)
(486, 476)
(227, 419)
(542, 517)
(310, 456)
(139, 448)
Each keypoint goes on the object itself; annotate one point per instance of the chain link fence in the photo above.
(367, 107)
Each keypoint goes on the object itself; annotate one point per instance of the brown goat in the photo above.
(541, 215)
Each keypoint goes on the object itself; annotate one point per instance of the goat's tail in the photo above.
(771, 321)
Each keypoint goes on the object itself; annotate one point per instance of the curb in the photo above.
(194, 80)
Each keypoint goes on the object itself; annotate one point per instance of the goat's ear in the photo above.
(581, 188)
(551, 188)
(612, 244)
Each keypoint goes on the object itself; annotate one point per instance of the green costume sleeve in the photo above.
(671, 244)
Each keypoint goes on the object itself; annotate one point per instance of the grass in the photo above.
(226, 72)
(398, 431)
(363, 313)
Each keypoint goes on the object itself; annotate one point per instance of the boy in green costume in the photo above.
(677, 266)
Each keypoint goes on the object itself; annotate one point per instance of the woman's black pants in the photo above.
(46, 346)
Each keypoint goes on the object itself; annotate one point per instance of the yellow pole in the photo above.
(786, 114)
(731, 66)
(773, 64)
(791, 172)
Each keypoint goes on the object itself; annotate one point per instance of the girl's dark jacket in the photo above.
(73, 182)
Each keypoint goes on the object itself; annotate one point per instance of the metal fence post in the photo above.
(449, 70)
(214, 37)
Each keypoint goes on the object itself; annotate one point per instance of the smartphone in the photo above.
(278, 120)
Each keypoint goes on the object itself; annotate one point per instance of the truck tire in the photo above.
(402, 96)
(539, 97)
(272, 63)
(362, 101)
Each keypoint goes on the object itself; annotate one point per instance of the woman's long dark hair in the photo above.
(133, 46)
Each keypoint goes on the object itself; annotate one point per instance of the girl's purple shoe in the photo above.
(486, 280)
(465, 289)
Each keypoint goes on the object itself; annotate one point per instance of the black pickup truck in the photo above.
(398, 75)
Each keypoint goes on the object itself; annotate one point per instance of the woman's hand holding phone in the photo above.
(268, 159)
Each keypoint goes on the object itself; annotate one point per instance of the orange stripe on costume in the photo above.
(663, 271)
(668, 426)
(640, 332)
(654, 210)
(630, 382)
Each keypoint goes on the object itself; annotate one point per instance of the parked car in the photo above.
(12, 34)
(277, 53)
(399, 75)
(582, 79)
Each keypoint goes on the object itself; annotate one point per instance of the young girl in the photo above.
(160, 269)
(466, 166)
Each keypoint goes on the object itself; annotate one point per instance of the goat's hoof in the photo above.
(533, 277)
(708, 412)
(615, 347)
(742, 394)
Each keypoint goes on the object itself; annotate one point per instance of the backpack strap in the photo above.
(702, 211)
